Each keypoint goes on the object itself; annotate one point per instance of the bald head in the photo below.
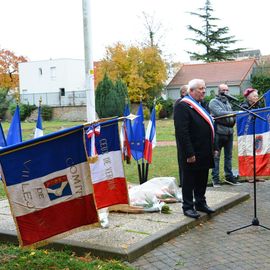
(223, 88)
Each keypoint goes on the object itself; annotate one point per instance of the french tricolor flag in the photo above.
(39, 130)
(107, 173)
(245, 131)
(49, 185)
(150, 137)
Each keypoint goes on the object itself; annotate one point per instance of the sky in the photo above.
(51, 29)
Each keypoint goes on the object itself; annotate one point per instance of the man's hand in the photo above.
(191, 159)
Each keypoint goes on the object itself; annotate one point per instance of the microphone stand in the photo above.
(255, 220)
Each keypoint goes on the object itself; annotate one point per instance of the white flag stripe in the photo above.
(147, 135)
(30, 196)
(245, 144)
(38, 133)
(148, 130)
(108, 166)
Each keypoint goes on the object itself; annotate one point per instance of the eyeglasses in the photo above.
(225, 90)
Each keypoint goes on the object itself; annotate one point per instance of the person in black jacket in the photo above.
(252, 97)
(183, 93)
(194, 134)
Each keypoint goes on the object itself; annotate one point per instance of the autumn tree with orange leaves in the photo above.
(9, 62)
(142, 69)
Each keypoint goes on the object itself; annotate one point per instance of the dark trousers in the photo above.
(194, 186)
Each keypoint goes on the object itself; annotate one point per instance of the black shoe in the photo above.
(205, 208)
(232, 181)
(191, 213)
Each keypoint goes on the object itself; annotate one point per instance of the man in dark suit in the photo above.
(194, 134)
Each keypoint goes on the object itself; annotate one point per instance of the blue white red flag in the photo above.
(137, 140)
(49, 185)
(3, 142)
(150, 137)
(14, 135)
(262, 143)
(39, 129)
(91, 133)
(107, 172)
(267, 98)
(126, 136)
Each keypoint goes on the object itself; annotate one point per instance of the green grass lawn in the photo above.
(164, 164)
(164, 158)
(14, 258)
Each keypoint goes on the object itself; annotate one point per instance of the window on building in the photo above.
(40, 71)
(53, 73)
(62, 92)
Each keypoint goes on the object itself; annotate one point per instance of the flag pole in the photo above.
(147, 164)
(89, 63)
(143, 166)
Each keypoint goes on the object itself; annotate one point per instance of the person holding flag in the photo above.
(194, 132)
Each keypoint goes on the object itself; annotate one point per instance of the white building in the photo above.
(56, 81)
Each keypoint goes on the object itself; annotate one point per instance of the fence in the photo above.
(71, 98)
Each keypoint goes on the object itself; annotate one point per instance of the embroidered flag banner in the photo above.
(150, 137)
(245, 129)
(107, 172)
(49, 185)
(39, 130)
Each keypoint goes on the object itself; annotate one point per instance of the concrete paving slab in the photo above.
(131, 235)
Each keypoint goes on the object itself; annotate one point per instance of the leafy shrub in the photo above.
(167, 107)
(46, 112)
(146, 114)
(25, 110)
(158, 108)
(4, 103)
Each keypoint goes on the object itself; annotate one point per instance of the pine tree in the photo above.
(103, 89)
(213, 38)
(122, 95)
(110, 97)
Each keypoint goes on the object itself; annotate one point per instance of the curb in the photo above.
(138, 249)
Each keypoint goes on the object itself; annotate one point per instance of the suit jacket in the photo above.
(193, 137)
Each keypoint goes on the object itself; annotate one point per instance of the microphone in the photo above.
(229, 96)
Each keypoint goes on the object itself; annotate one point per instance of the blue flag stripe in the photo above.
(35, 160)
(245, 122)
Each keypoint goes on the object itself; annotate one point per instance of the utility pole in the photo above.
(89, 64)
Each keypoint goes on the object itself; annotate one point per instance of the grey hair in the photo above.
(193, 84)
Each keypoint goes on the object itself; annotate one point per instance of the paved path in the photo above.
(208, 246)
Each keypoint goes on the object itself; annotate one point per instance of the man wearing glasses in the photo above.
(220, 106)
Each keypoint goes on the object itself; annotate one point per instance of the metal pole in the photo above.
(89, 64)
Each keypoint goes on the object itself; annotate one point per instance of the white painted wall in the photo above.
(49, 76)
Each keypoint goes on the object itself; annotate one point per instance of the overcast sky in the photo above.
(44, 29)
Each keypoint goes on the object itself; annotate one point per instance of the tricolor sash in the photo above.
(201, 111)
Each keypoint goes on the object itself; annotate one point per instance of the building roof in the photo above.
(229, 72)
